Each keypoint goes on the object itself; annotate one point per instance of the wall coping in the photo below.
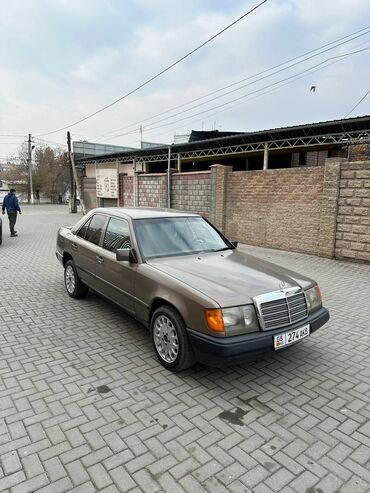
(145, 175)
(191, 173)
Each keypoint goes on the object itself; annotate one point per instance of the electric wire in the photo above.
(225, 94)
(340, 57)
(357, 104)
(151, 79)
(338, 42)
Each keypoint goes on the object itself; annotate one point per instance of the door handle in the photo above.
(74, 246)
(100, 259)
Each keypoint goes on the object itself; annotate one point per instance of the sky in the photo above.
(61, 61)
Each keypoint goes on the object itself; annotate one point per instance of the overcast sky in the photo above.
(61, 60)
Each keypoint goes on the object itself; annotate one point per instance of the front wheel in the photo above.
(170, 340)
(74, 286)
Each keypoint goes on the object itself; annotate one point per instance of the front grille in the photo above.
(283, 311)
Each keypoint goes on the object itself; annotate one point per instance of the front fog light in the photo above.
(314, 299)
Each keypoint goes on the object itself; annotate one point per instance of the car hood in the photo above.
(231, 277)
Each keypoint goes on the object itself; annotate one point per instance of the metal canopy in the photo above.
(319, 135)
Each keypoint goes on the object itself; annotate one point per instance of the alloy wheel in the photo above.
(70, 279)
(166, 340)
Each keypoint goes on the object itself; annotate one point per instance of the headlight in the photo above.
(240, 319)
(314, 299)
(232, 321)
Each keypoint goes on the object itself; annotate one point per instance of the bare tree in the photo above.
(50, 173)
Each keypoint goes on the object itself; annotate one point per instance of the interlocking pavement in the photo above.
(86, 407)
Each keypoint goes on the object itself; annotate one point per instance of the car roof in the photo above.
(144, 212)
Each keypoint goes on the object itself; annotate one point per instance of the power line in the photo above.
(158, 74)
(344, 55)
(11, 143)
(357, 104)
(338, 42)
(46, 141)
(235, 90)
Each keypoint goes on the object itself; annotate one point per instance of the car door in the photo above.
(84, 248)
(115, 280)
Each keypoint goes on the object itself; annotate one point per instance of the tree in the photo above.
(16, 172)
(50, 173)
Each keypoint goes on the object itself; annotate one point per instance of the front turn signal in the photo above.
(215, 319)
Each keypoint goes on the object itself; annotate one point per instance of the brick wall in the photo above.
(152, 190)
(353, 229)
(276, 208)
(191, 192)
(126, 191)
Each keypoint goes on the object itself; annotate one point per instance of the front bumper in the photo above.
(227, 351)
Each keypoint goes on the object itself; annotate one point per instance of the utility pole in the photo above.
(73, 199)
(29, 162)
(76, 183)
(141, 136)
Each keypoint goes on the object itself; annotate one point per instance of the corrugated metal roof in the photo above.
(311, 129)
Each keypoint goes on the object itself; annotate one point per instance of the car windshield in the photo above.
(168, 236)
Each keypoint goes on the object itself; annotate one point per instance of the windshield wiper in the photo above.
(221, 249)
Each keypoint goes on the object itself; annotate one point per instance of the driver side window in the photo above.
(117, 235)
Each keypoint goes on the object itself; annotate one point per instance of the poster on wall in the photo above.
(107, 183)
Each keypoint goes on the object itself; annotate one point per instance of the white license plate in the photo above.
(291, 337)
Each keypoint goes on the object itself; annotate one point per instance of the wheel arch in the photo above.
(66, 256)
(157, 303)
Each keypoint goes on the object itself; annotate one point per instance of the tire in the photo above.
(170, 340)
(74, 286)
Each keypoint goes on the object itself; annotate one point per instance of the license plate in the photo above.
(291, 337)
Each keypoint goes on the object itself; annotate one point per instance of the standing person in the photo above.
(10, 203)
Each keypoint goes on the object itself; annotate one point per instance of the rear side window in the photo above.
(117, 235)
(95, 228)
(83, 230)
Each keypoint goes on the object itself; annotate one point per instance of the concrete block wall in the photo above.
(276, 208)
(353, 228)
(191, 192)
(152, 190)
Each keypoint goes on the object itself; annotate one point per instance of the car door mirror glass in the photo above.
(123, 254)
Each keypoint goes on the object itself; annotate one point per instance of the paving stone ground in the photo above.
(86, 407)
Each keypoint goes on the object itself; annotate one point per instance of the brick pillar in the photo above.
(219, 174)
(329, 207)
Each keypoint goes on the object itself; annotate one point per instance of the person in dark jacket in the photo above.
(10, 203)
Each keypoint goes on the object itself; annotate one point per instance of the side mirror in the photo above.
(123, 254)
(126, 255)
(234, 244)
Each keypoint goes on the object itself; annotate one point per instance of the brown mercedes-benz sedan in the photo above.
(201, 298)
